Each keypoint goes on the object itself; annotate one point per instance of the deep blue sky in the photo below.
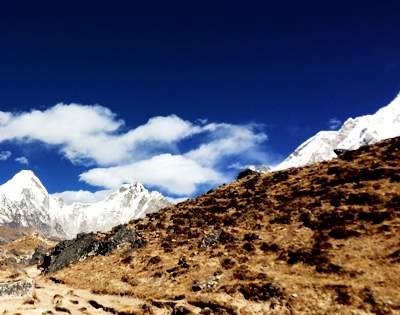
(291, 65)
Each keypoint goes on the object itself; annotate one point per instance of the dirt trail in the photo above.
(53, 298)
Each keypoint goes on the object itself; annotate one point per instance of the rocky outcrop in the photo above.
(246, 172)
(89, 244)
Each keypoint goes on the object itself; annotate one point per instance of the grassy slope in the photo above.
(317, 239)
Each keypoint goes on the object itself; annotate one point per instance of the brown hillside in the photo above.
(19, 253)
(321, 239)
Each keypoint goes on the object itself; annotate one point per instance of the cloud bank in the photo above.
(84, 196)
(153, 153)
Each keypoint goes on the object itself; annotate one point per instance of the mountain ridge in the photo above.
(25, 202)
(354, 133)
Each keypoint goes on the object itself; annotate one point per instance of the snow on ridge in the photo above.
(354, 133)
(24, 201)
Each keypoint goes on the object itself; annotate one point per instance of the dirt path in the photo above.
(52, 298)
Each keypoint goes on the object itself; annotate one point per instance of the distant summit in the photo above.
(354, 133)
(25, 202)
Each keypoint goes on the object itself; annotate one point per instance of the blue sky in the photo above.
(247, 84)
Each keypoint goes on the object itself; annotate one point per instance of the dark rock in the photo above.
(346, 155)
(88, 244)
(245, 173)
(38, 256)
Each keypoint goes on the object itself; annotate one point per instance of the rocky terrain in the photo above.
(18, 254)
(320, 239)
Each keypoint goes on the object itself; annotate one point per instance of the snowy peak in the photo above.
(128, 190)
(354, 133)
(130, 201)
(25, 202)
(384, 124)
(22, 183)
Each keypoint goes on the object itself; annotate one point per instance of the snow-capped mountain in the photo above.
(130, 201)
(25, 202)
(354, 133)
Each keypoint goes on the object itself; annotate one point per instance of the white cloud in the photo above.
(4, 117)
(240, 167)
(334, 123)
(5, 155)
(176, 200)
(227, 140)
(150, 153)
(22, 160)
(173, 173)
(83, 196)
(91, 132)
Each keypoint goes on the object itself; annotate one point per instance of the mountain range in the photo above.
(25, 202)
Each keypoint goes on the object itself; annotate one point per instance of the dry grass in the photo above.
(15, 254)
(321, 239)
(28, 243)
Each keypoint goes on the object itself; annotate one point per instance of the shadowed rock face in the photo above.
(89, 244)
(246, 172)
